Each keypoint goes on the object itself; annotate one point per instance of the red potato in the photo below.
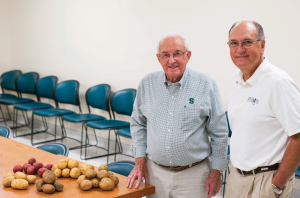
(41, 171)
(18, 168)
(49, 166)
(25, 166)
(31, 170)
(31, 161)
(37, 165)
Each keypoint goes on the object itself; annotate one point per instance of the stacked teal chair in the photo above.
(96, 97)
(66, 93)
(8, 82)
(55, 148)
(122, 103)
(121, 167)
(297, 173)
(44, 89)
(24, 84)
(5, 131)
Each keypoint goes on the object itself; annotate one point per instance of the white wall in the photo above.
(115, 42)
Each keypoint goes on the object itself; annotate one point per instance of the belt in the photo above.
(259, 170)
(180, 168)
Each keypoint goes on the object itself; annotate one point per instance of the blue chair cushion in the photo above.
(297, 173)
(121, 168)
(12, 101)
(54, 149)
(82, 117)
(32, 106)
(108, 124)
(53, 112)
(3, 96)
(4, 132)
(124, 132)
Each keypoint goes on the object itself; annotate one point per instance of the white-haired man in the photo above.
(175, 111)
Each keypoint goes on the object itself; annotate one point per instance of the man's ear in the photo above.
(189, 54)
(158, 58)
(262, 45)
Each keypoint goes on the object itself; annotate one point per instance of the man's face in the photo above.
(246, 58)
(173, 67)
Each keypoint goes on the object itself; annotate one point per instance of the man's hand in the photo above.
(139, 171)
(213, 183)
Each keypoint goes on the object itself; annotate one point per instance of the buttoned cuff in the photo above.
(218, 163)
(138, 151)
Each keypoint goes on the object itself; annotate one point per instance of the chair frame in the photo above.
(64, 145)
(224, 178)
(9, 131)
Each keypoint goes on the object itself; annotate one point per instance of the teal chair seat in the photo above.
(53, 112)
(297, 173)
(124, 132)
(107, 124)
(12, 101)
(5, 131)
(55, 148)
(82, 117)
(121, 168)
(3, 96)
(32, 106)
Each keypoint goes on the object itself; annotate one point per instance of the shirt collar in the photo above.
(182, 80)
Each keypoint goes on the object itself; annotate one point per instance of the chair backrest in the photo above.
(229, 130)
(122, 101)
(98, 97)
(121, 168)
(9, 80)
(55, 148)
(26, 82)
(67, 92)
(5, 131)
(45, 87)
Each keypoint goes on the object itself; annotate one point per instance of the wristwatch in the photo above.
(276, 189)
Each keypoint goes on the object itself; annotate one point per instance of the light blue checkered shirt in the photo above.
(171, 122)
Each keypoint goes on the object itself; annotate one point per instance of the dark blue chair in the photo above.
(55, 148)
(44, 89)
(66, 93)
(121, 167)
(122, 103)
(8, 82)
(297, 173)
(24, 84)
(5, 131)
(96, 97)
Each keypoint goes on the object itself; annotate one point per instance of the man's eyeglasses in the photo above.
(245, 43)
(176, 55)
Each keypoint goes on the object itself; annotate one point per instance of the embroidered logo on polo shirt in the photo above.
(191, 100)
(253, 100)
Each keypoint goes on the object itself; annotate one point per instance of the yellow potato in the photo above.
(86, 167)
(20, 175)
(106, 184)
(65, 172)
(7, 181)
(102, 174)
(9, 174)
(95, 182)
(72, 163)
(80, 179)
(54, 167)
(102, 167)
(110, 173)
(115, 179)
(31, 179)
(19, 184)
(90, 174)
(86, 185)
(63, 163)
(75, 173)
(57, 172)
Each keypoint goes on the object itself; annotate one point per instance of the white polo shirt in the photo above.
(263, 112)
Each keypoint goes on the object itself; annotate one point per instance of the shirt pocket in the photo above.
(190, 118)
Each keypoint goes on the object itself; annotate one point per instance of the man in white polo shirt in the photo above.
(264, 116)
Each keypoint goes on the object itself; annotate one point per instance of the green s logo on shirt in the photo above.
(191, 100)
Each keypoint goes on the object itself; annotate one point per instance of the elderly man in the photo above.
(175, 111)
(264, 116)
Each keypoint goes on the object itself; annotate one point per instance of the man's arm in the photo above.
(290, 162)
(139, 171)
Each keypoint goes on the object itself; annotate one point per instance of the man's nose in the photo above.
(240, 48)
(171, 59)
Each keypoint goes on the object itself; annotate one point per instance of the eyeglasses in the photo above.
(245, 43)
(176, 55)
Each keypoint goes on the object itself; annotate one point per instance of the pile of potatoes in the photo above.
(18, 180)
(102, 178)
(49, 183)
(67, 168)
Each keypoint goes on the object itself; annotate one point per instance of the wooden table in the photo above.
(13, 153)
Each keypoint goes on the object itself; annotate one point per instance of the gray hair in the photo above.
(172, 35)
(260, 30)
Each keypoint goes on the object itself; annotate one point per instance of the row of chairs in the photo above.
(67, 92)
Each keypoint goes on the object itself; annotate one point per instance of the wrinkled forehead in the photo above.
(171, 44)
(243, 31)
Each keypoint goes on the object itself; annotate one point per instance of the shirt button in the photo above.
(172, 96)
(169, 130)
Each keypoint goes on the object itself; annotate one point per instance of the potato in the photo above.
(9, 174)
(115, 179)
(7, 181)
(20, 175)
(86, 167)
(49, 177)
(67, 159)
(95, 182)
(58, 185)
(65, 172)
(63, 163)
(75, 173)
(106, 184)
(86, 185)
(57, 172)
(110, 173)
(102, 174)
(31, 179)
(80, 167)
(90, 174)
(80, 179)
(18, 168)
(48, 188)
(102, 167)
(39, 185)
(19, 184)
(72, 163)
(54, 168)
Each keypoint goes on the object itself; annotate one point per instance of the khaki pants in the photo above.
(254, 186)
(188, 183)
